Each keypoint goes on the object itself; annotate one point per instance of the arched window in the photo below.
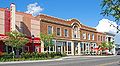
(75, 31)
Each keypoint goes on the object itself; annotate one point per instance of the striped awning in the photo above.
(3, 37)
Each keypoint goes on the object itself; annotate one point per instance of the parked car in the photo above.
(118, 52)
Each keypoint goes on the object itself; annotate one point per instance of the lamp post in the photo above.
(33, 49)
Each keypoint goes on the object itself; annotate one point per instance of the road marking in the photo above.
(108, 63)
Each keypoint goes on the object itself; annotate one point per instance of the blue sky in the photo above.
(87, 11)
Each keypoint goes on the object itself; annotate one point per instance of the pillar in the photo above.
(79, 48)
(67, 48)
(55, 47)
(62, 48)
(72, 48)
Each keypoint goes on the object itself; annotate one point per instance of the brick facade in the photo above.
(80, 38)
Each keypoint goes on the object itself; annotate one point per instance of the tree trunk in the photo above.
(47, 52)
(17, 53)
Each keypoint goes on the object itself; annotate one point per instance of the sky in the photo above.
(87, 11)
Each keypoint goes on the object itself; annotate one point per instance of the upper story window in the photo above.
(93, 36)
(109, 39)
(98, 38)
(58, 32)
(84, 35)
(21, 27)
(66, 33)
(104, 38)
(88, 36)
(75, 32)
(101, 38)
(49, 29)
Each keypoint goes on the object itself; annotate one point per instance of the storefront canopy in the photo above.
(35, 40)
(3, 37)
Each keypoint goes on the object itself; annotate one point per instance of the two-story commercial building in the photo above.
(70, 36)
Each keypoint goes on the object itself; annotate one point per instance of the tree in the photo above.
(47, 40)
(111, 8)
(15, 40)
(106, 45)
(110, 45)
(103, 45)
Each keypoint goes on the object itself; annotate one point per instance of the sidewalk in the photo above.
(87, 56)
(30, 61)
(59, 59)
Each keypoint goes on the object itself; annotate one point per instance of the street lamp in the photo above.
(33, 43)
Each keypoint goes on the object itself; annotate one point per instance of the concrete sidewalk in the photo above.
(87, 56)
(31, 61)
(59, 59)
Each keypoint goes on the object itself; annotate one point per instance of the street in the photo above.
(75, 61)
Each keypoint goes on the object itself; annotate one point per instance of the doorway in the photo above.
(76, 48)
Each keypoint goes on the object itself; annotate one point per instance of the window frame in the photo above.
(84, 34)
(93, 37)
(48, 29)
(88, 36)
(57, 31)
(65, 33)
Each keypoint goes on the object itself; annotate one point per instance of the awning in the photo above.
(3, 37)
(36, 39)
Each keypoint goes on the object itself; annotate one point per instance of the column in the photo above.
(83, 48)
(79, 48)
(67, 48)
(55, 46)
(62, 48)
(72, 48)
(42, 46)
(88, 47)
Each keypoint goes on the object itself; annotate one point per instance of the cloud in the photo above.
(104, 26)
(34, 9)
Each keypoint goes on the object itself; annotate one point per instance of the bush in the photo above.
(26, 55)
(30, 56)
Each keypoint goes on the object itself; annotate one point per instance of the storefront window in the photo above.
(69, 46)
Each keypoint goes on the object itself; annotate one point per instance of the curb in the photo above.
(87, 56)
(15, 62)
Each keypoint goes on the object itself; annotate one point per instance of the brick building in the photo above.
(70, 36)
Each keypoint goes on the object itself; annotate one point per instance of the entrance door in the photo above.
(37, 48)
(76, 48)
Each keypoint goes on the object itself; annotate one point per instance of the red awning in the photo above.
(95, 48)
(36, 39)
(2, 36)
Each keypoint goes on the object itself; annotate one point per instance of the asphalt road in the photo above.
(76, 61)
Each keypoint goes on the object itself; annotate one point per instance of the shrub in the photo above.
(30, 56)
(26, 55)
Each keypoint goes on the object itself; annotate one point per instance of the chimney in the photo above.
(12, 16)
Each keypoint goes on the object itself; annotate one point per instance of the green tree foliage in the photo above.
(47, 39)
(15, 39)
(111, 8)
(107, 45)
